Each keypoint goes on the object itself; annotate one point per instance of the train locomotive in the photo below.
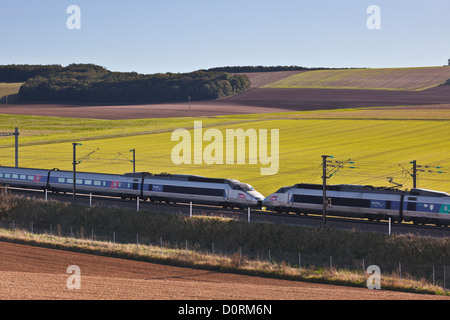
(155, 187)
(419, 206)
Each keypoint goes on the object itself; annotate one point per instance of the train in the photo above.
(229, 193)
(420, 206)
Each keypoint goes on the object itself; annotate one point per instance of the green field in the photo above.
(381, 142)
(383, 78)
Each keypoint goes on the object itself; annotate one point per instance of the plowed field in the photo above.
(28, 272)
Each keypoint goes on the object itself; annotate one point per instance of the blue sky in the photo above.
(149, 36)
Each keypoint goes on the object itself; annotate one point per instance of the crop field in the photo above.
(380, 141)
(412, 79)
(7, 89)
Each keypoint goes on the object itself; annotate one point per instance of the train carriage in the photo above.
(427, 206)
(416, 205)
(24, 178)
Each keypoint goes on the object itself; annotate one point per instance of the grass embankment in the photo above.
(163, 238)
(380, 141)
(413, 79)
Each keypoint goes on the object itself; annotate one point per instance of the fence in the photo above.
(328, 266)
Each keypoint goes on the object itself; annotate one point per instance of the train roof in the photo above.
(427, 193)
(356, 187)
(163, 175)
(182, 177)
(342, 187)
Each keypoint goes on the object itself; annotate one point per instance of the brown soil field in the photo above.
(261, 79)
(257, 100)
(29, 273)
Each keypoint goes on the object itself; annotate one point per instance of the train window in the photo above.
(79, 181)
(1, 175)
(97, 183)
(15, 176)
(61, 180)
(69, 180)
(23, 177)
(8, 175)
(88, 182)
(31, 178)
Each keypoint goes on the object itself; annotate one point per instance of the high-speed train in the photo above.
(156, 187)
(416, 205)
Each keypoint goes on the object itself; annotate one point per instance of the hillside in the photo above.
(412, 79)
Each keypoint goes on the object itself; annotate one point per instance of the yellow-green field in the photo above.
(381, 142)
(383, 78)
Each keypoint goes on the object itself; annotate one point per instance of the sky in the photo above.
(153, 36)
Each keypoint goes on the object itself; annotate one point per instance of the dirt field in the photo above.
(257, 100)
(28, 272)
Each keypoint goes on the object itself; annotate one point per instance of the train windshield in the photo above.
(246, 187)
(243, 187)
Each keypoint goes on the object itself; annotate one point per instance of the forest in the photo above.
(92, 83)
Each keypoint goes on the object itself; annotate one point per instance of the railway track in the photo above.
(312, 221)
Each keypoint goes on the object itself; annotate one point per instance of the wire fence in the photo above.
(436, 275)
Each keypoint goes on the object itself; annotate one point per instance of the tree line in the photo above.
(92, 83)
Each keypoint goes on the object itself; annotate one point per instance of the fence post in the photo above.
(331, 266)
(444, 278)
(137, 204)
(433, 275)
(90, 199)
(299, 262)
(190, 209)
(240, 256)
(364, 269)
(248, 214)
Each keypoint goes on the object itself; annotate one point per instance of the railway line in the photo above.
(252, 216)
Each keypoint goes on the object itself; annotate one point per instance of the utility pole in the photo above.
(324, 188)
(75, 162)
(414, 173)
(336, 165)
(134, 159)
(16, 135)
(74, 168)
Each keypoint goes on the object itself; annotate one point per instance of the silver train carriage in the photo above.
(416, 205)
(158, 187)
